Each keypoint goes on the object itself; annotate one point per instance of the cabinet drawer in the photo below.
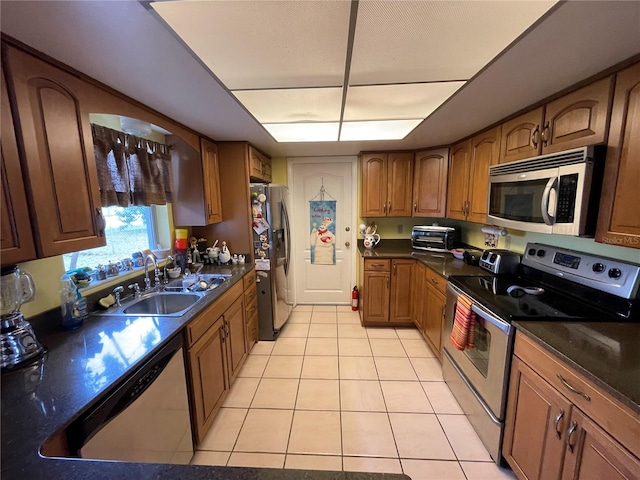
(377, 265)
(250, 295)
(610, 414)
(209, 315)
(251, 307)
(249, 279)
(438, 281)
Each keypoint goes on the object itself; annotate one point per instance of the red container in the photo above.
(181, 243)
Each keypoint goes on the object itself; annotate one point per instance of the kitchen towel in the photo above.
(463, 324)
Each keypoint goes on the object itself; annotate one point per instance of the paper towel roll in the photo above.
(501, 232)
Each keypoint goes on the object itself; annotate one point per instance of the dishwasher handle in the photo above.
(120, 397)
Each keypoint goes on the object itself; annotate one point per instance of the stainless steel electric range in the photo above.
(551, 284)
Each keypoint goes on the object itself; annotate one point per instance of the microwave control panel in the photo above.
(567, 191)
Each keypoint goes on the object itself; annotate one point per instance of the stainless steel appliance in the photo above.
(552, 284)
(272, 240)
(19, 342)
(555, 193)
(499, 261)
(145, 418)
(433, 238)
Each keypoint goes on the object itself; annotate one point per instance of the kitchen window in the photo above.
(128, 230)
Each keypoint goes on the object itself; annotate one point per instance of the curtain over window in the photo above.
(131, 170)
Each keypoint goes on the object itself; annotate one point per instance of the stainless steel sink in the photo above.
(172, 304)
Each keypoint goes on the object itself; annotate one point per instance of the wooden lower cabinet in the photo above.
(419, 295)
(434, 318)
(553, 432)
(401, 305)
(376, 297)
(217, 350)
(207, 369)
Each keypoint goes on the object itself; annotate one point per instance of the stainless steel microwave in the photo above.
(556, 193)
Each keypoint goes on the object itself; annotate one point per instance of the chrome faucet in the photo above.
(147, 281)
(169, 259)
(116, 292)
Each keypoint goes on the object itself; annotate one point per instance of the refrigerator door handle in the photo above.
(287, 238)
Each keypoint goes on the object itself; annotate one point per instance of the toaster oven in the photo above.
(433, 238)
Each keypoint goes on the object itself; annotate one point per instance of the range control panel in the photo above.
(606, 274)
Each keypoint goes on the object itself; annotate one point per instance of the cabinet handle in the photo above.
(387, 282)
(415, 207)
(226, 329)
(389, 208)
(535, 136)
(209, 208)
(556, 422)
(573, 389)
(434, 281)
(384, 208)
(443, 309)
(100, 222)
(395, 269)
(570, 432)
(545, 134)
(377, 264)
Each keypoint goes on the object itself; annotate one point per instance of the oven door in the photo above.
(485, 366)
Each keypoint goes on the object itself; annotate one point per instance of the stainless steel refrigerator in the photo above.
(272, 241)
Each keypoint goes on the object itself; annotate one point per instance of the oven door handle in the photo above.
(491, 318)
(544, 203)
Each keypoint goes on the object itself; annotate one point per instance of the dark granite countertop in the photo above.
(80, 367)
(604, 352)
(444, 264)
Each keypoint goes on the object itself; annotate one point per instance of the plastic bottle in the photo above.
(72, 304)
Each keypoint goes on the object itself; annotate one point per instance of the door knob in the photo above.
(347, 229)
(347, 244)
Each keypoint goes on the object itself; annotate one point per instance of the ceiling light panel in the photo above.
(304, 132)
(378, 130)
(293, 105)
(397, 102)
(265, 44)
(419, 41)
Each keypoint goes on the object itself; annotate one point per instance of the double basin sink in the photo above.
(172, 301)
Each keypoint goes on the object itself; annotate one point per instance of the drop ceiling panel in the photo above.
(418, 41)
(265, 44)
(293, 105)
(378, 130)
(396, 102)
(304, 132)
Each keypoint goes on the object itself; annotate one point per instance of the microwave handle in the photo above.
(544, 204)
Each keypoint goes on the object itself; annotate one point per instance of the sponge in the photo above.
(107, 301)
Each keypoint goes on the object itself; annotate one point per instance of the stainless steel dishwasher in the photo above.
(145, 418)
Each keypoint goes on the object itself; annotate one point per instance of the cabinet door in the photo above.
(485, 151)
(536, 421)
(207, 375)
(618, 221)
(211, 174)
(376, 298)
(459, 170)
(522, 136)
(401, 287)
(434, 318)
(236, 345)
(255, 164)
(16, 237)
(418, 295)
(579, 118)
(593, 454)
(399, 183)
(59, 155)
(430, 183)
(266, 169)
(374, 185)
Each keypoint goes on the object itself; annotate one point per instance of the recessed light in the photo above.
(304, 132)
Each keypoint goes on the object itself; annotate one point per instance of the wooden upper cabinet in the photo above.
(578, 118)
(16, 237)
(459, 171)
(211, 178)
(485, 151)
(574, 120)
(259, 166)
(399, 182)
(618, 220)
(430, 183)
(374, 185)
(521, 136)
(59, 158)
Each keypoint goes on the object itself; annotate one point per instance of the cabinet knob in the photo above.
(415, 207)
(347, 229)
(347, 244)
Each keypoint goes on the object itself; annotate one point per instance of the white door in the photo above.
(323, 281)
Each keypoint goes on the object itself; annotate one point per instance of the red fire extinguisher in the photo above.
(354, 299)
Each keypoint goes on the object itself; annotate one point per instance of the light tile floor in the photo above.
(332, 395)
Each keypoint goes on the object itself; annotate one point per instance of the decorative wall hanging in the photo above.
(322, 216)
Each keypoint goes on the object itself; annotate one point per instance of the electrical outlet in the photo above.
(507, 242)
(399, 228)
